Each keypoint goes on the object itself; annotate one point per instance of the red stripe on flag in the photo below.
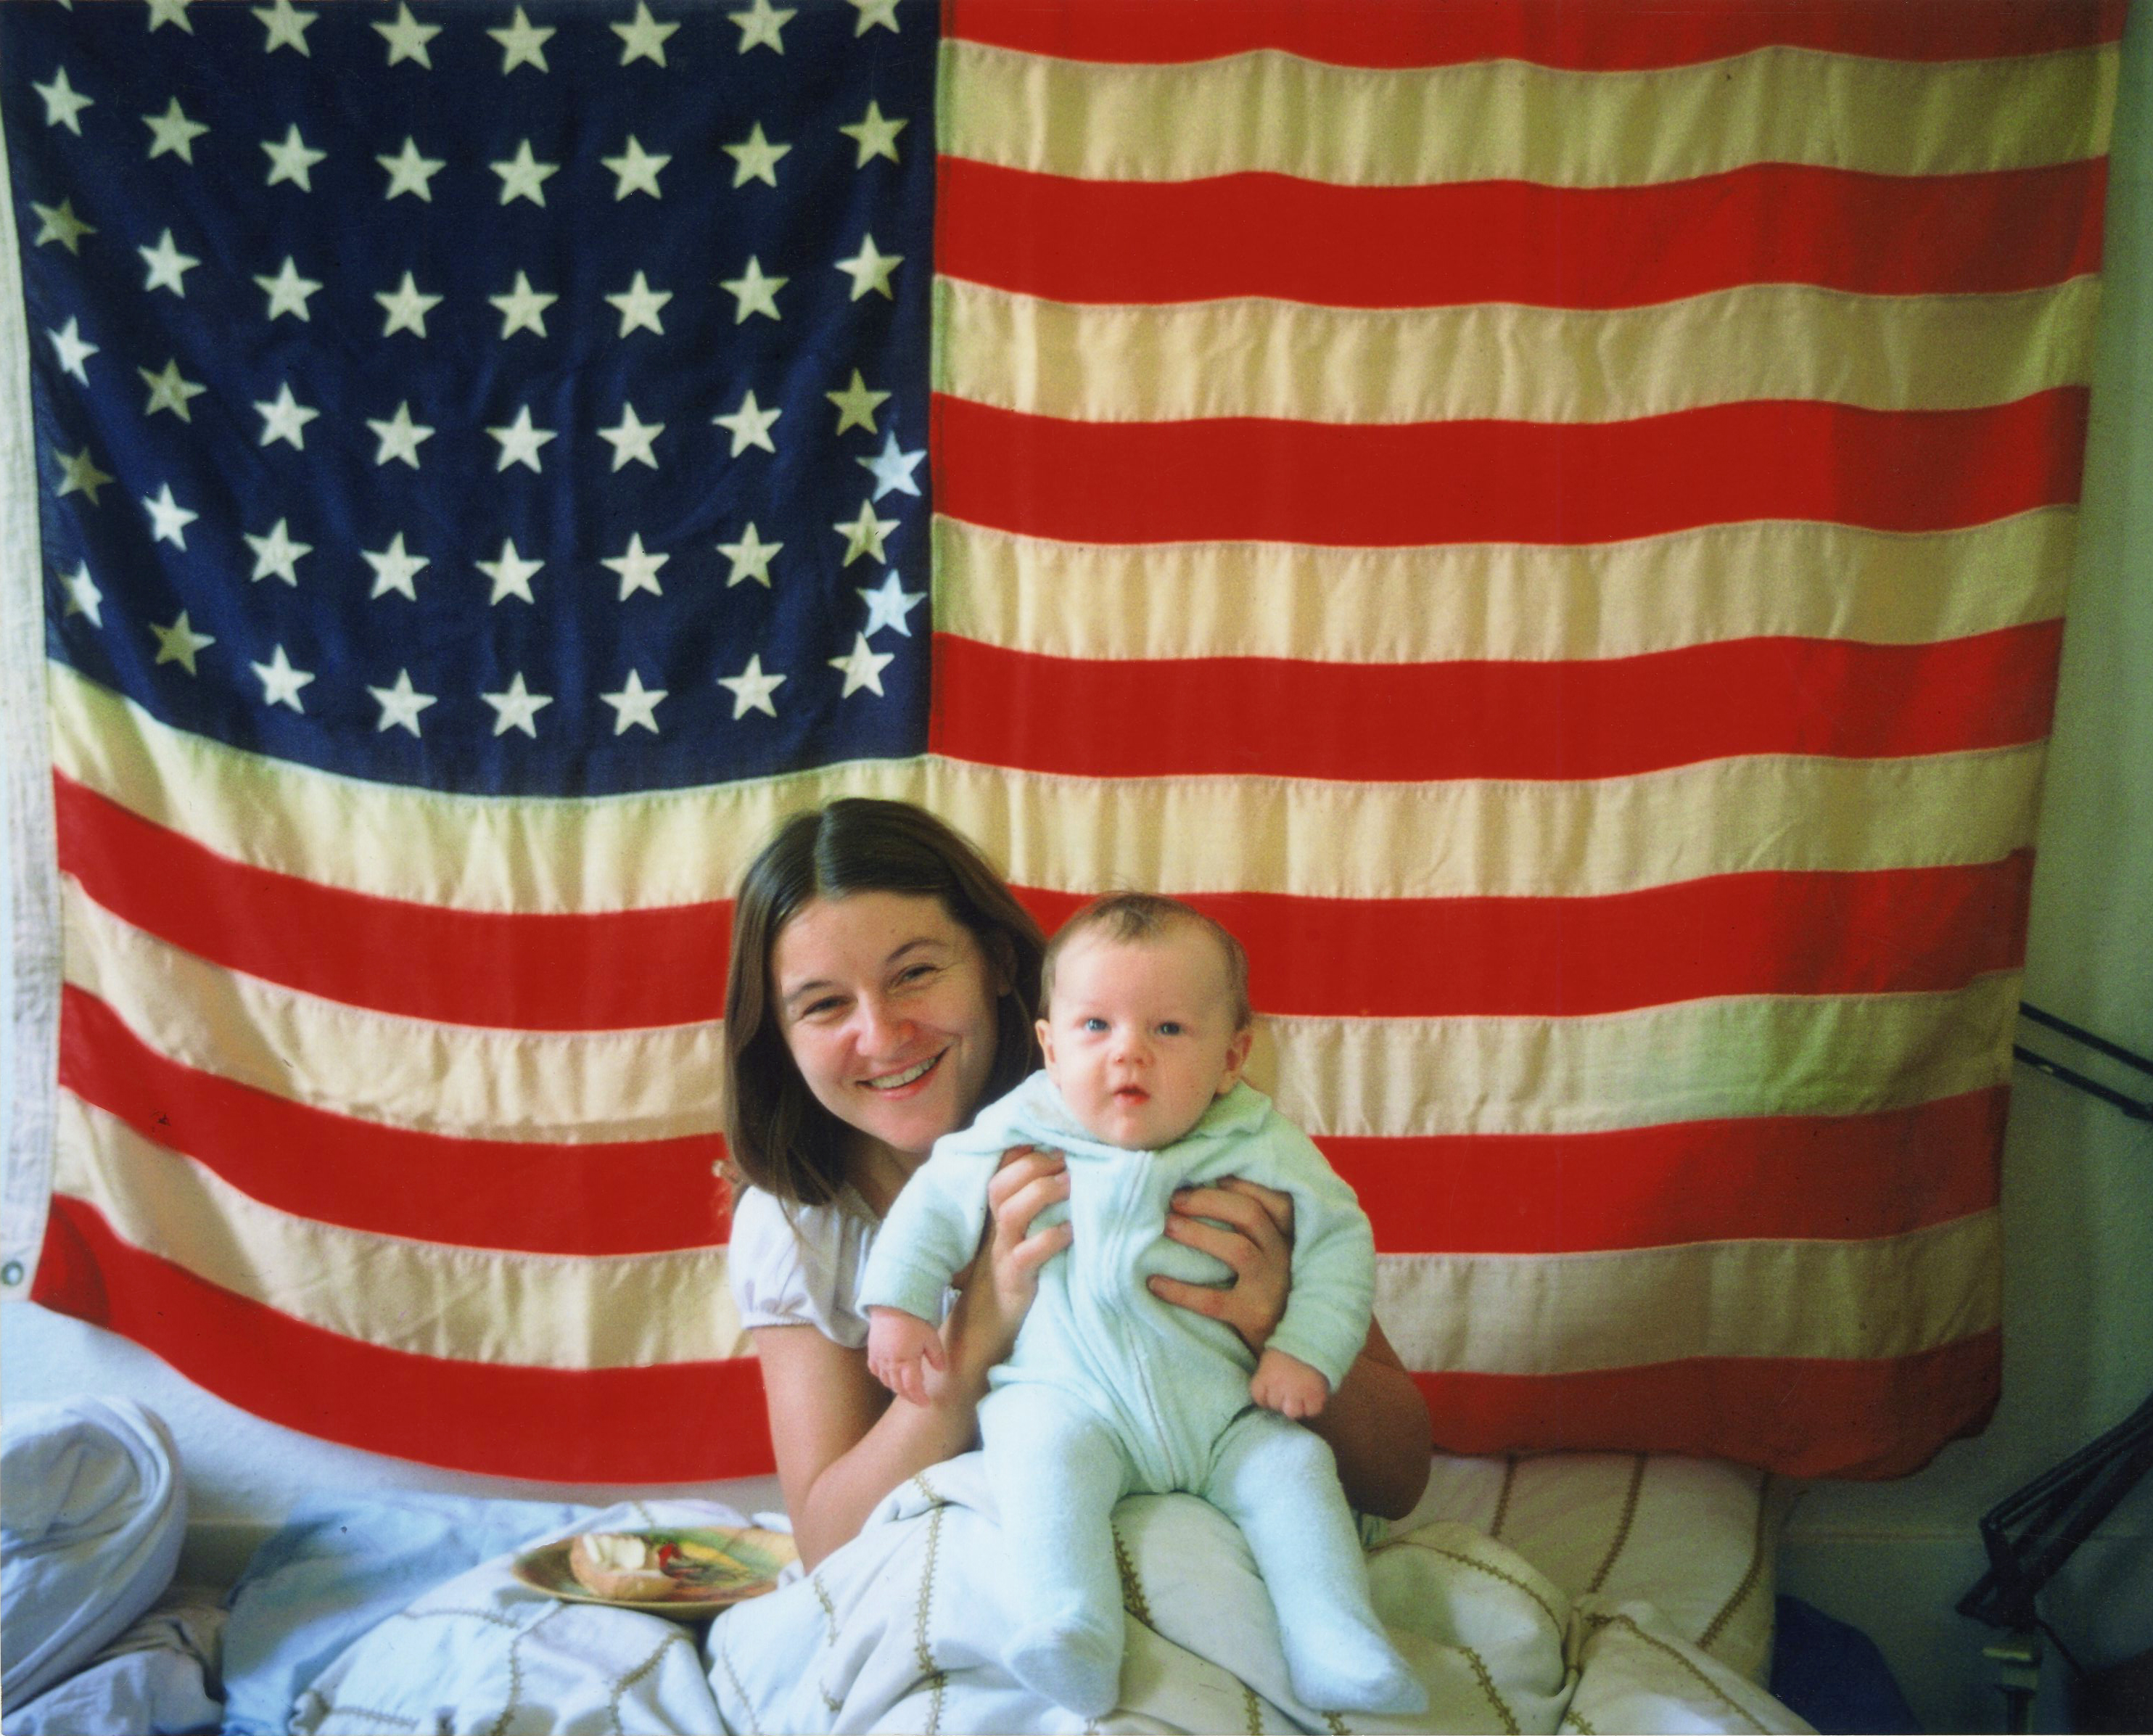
(1591, 35)
(612, 971)
(1900, 930)
(1798, 1418)
(1230, 479)
(1413, 722)
(1826, 1178)
(675, 1422)
(1264, 234)
(542, 1199)
(1880, 931)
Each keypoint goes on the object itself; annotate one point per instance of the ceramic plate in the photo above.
(715, 1565)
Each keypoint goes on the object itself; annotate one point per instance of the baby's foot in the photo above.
(1078, 1668)
(1351, 1669)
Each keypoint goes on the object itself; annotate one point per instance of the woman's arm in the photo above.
(841, 1444)
(1376, 1423)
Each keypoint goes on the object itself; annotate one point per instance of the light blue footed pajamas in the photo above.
(1112, 1391)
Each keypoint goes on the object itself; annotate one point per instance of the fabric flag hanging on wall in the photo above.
(1550, 521)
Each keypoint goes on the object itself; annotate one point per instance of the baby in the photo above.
(1111, 1391)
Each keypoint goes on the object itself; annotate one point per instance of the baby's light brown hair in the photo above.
(1133, 918)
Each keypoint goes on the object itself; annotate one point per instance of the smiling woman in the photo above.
(884, 985)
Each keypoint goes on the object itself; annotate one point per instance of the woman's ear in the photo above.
(1001, 960)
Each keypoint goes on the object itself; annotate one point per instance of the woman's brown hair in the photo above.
(781, 1138)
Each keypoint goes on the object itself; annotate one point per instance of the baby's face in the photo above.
(1141, 1036)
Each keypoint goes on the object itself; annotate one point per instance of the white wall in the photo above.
(2078, 1177)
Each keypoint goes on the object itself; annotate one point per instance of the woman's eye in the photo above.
(820, 1009)
(915, 973)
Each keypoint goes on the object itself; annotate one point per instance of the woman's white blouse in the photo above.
(800, 1265)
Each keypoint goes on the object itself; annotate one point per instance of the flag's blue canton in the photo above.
(244, 413)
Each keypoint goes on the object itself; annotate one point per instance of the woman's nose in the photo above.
(878, 1026)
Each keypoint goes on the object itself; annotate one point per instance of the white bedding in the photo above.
(899, 1630)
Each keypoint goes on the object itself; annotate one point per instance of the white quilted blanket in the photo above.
(897, 1632)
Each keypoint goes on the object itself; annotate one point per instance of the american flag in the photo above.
(1549, 519)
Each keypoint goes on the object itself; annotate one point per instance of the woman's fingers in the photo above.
(1028, 1181)
(1197, 1298)
(1238, 1250)
(1034, 1251)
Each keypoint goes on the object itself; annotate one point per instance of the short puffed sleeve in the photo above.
(800, 1265)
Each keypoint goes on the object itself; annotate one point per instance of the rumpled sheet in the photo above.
(91, 1514)
(899, 1632)
(158, 1678)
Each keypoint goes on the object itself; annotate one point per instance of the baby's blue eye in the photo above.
(1095, 1025)
(1171, 1027)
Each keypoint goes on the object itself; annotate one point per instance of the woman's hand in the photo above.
(982, 1328)
(1256, 1243)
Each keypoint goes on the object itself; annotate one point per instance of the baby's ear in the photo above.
(1237, 1057)
(1046, 1039)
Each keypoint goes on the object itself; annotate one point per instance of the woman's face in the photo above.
(888, 1005)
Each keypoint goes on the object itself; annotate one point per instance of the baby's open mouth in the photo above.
(892, 1081)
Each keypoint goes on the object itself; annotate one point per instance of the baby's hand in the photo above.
(897, 1343)
(1287, 1385)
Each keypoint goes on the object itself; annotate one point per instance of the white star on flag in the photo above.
(523, 308)
(892, 469)
(399, 436)
(750, 558)
(522, 43)
(750, 425)
(523, 176)
(869, 269)
(518, 708)
(511, 574)
(292, 161)
(640, 305)
(875, 134)
(856, 405)
(753, 293)
(752, 690)
(631, 439)
(394, 569)
(410, 172)
(634, 704)
(757, 159)
(168, 391)
(171, 11)
(638, 571)
(520, 441)
(285, 419)
(280, 682)
(876, 11)
(406, 308)
(80, 474)
(180, 643)
(63, 103)
(400, 704)
(172, 132)
(286, 25)
(635, 170)
(288, 292)
(643, 38)
(169, 519)
(407, 39)
(73, 349)
(59, 223)
(890, 605)
(84, 596)
(864, 535)
(167, 265)
(277, 553)
(863, 667)
(761, 24)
